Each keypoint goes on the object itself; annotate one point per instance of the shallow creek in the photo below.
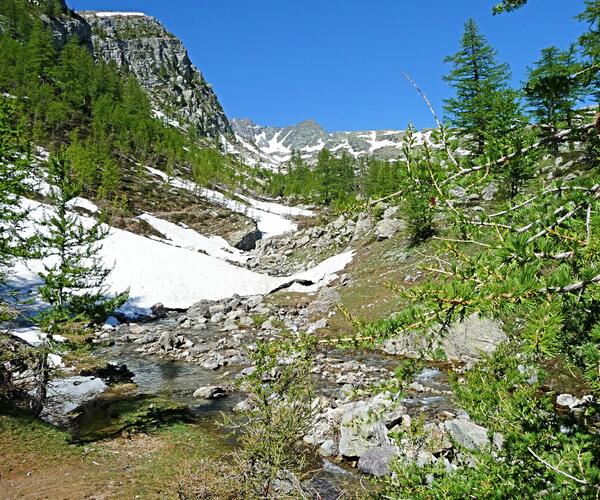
(161, 381)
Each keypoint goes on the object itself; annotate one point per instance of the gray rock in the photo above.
(377, 461)
(326, 300)
(200, 309)
(211, 392)
(360, 430)
(328, 448)
(245, 239)
(216, 309)
(458, 192)
(466, 341)
(391, 213)
(230, 325)
(254, 301)
(490, 191)
(167, 340)
(217, 318)
(246, 321)
(148, 338)
(472, 338)
(387, 228)
(136, 329)
(363, 225)
(317, 325)
(159, 310)
(468, 434)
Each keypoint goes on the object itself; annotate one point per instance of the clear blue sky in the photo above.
(340, 62)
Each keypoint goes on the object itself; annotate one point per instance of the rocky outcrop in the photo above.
(69, 26)
(245, 239)
(141, 45)
(464, 342)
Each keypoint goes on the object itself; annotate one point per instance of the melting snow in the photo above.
(187, 238)
(155, 271)
(269, 223)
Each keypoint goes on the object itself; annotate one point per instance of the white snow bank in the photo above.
(189, 239)
(158, 114)
(122, 14)
(270, 223)
(155, 271)
(276, 208)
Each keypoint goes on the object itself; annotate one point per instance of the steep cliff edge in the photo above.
(160, 62)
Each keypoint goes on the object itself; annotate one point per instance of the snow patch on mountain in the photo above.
(156, 271)
(119, 14)
(268, 217)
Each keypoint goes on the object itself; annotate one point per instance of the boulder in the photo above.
(377, 461)
(159, 310)
(230, 325)
(468, 434)
(387, 228)
(254, 301)
(167, 340)
(326, 300)
(200, 310)
(245, 239)
(365, 424)
(490, 191)
(464, 342)
(211, 392)
(391, 213)
(328, 448)
(363, 225)
(471, 338)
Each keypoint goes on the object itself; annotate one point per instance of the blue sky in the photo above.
(341, 62)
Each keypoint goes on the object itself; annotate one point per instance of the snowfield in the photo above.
(119, 14)
(271, 218)
(174, 272)
(184, 237)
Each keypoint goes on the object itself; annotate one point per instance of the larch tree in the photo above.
(475, 77)
(74, 275)
(552, 91)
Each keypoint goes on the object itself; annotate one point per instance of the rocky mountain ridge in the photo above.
(274, 146)
(160, 62)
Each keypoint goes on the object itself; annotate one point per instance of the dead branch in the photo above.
(557, 470)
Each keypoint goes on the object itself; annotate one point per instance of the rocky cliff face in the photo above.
(274, 146)
(63, 22)
(161, 64)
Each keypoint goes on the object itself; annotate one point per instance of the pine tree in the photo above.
(15, 157)
(590, 44)
(551, 90)
(74, 278)
(475, 77)
(508, 134)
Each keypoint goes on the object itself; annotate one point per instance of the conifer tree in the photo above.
(551, 90)
(14, 159)
(74, 278)
(590, 44)
(476, 75)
